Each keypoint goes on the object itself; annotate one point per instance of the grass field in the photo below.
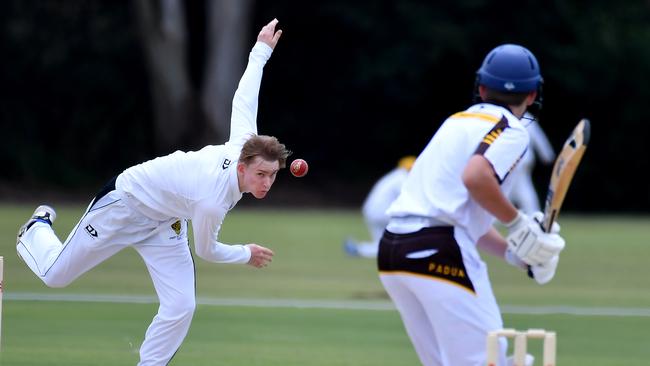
(294, 312)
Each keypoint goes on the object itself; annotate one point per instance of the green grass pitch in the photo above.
(603, 270)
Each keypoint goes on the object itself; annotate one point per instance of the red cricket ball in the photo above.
(299, 168)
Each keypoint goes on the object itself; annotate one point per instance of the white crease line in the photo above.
(575, 310)
(322, 304)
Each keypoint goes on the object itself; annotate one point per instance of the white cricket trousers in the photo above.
(108, 226)
(446, 322)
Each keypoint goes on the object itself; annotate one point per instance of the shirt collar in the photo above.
(491, 106)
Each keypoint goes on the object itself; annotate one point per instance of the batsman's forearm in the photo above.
(493, 243)
(484, 188)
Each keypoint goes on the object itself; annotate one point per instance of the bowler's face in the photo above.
(258, 176)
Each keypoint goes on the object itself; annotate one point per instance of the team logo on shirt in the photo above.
(91, 230)
(226, 164)
(177, 227)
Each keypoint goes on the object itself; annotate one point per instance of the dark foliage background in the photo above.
(352, 87)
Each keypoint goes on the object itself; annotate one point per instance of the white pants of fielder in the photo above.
(110, 225)
(446, 323)
(376, 226)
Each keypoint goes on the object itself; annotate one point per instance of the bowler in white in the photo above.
(148, 207)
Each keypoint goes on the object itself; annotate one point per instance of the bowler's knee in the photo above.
(56, 281)
(180, 309)
(188, 307)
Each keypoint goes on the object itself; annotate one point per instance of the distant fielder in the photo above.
(429, 260)
(148, 206)
(382, 194)
(523, 194)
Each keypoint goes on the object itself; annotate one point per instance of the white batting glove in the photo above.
(543, 273)
(512, 259)
(528, 242)
(539, 217)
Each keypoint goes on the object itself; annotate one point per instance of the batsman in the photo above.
(429, 261)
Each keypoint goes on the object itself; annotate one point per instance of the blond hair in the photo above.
(266, 147)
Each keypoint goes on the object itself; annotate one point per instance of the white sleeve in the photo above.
(206, 223)
(540, 144)
(382, 194)
(243, 122)
(505, 149)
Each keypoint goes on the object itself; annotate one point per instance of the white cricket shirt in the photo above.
(382, 194)
(434, 187)
(202, 186)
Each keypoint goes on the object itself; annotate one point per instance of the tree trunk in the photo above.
(228, 42)
(164, 38)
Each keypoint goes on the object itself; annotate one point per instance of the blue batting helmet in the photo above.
(510, 68)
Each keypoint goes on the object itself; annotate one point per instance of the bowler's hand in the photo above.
(260, 256)
(269, 35)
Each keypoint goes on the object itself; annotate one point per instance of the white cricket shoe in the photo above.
(43, 213)
(350, 247)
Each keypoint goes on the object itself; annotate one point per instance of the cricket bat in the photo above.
(563, 170)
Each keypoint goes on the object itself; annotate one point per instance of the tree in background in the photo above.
(187, 115)
(374, 76)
